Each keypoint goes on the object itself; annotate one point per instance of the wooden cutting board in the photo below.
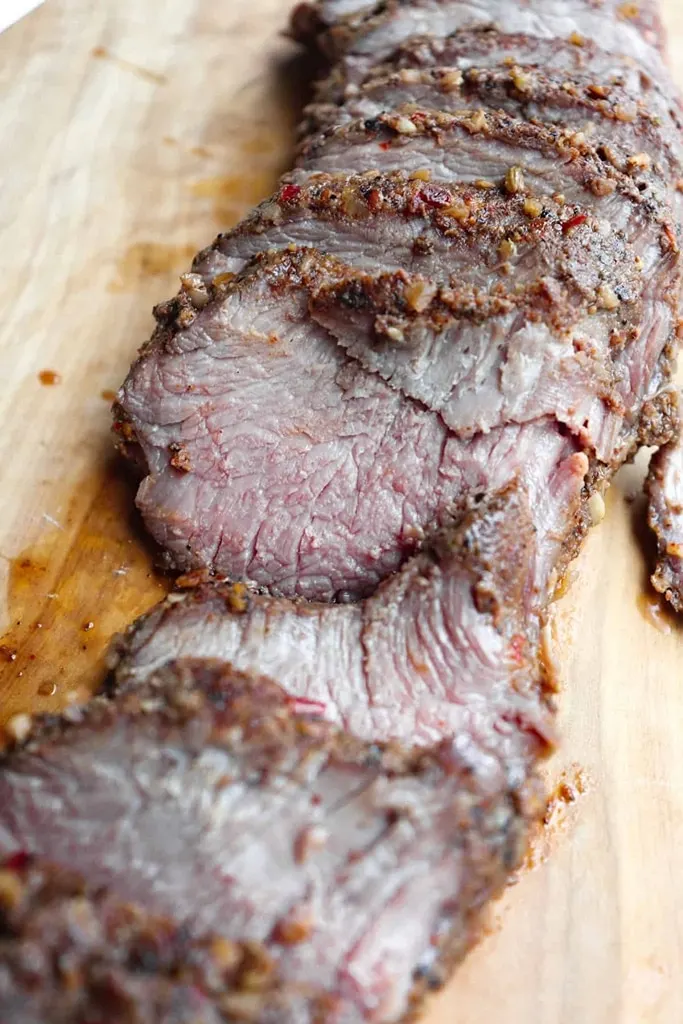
(131, 133)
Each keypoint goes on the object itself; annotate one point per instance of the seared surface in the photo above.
(638, 130)
(206, 796)
(665, 516)
(375, 33)
(482, 48)
(71, 952)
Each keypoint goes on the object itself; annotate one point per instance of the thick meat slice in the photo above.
(278, 459)
(388, 221)
(446, 647)
(269, 454)
(634, 31)
(665, 516)
(636, 137)
(362, 869)
(71, 952)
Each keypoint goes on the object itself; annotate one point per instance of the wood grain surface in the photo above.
(131, 133)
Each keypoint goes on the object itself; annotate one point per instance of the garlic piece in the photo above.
(596, 508)
(514, 181)
(608, 298)
(533, 207)
(404, 126)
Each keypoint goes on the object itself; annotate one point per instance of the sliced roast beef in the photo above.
(449, 646)
(323, 491)
(71, 952)
(469, 234)
(484, 49)
(420, 371)
(204, 795)
(635, 137)
(269, 454)
(367, 39)
(665, 493)
(476, 146)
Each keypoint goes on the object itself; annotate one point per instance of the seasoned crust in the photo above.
(392, 130)
(71, 952)
(413, 218)
(639, 139)
(660, 415)
(374, 32)
(193, 707)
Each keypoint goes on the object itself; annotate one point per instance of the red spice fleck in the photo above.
(574, 222)
(17, 861)
(385, 145)
(304, 706)
(432, 195)
(290, 193)
(374, 200)
(49, 377)
(516, 649)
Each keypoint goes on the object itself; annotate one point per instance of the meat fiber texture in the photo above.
(449, 646)
(376, 412)
(665, 516)
(303, 875)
